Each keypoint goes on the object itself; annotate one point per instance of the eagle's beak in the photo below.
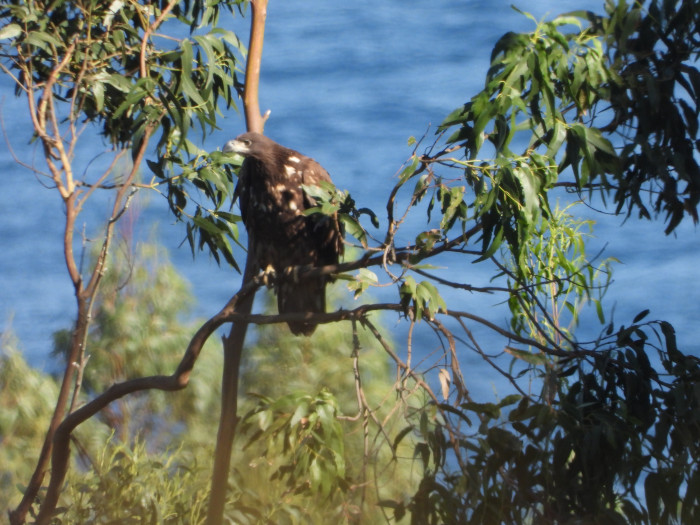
(234, 146)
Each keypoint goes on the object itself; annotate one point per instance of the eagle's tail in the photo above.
(302, 296)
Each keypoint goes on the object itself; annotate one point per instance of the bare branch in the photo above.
(233, 344)
(233, 352)
(254, 120)
(143, 71)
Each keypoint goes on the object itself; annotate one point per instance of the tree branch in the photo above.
(254, 120)
(177, 381)
(233, 351)
(233, 344)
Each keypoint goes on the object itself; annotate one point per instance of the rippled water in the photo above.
(347, 83)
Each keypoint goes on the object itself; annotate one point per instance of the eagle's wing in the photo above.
(326, 229)
(272, 203)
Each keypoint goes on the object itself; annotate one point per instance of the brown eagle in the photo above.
(280, 236)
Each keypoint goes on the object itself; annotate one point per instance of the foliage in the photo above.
(26, 399)
(127, 484)
(300, 436)
(315, 433)
(134, 466)
(615, 99)
(90, 65)
(109, 76)
(102, 63)
(138, 327)
(555, 93)
(138, 330)
(561, 276)
(617, 425)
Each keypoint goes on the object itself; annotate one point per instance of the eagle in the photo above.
(280, 236)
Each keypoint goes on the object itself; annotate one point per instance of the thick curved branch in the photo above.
(177, 381)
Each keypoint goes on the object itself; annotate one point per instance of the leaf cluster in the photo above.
(117, 75)
(138, 330)
(537, 94)
(147, 457)
(613, 98)
(548, 298)
(654, 48)
(26, 398)
(311, 436)
(127, 484)
(109, 65)
(615, 425)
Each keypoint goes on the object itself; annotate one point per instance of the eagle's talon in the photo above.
(268, 276)
(291, 274)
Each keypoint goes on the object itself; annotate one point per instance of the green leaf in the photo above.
(533, 359)
(409, 170)
(229, 217)
(43, 40)
(558, 135)
(368, 276)
(189, 89)
(529, 184)
(399, 437)
(510, 400)
(457, 116)
(10, 31)
(98, 92)
(493, 247)
(487, 409)
(595, 137)
(353, 228)
(641, 315)
(407, 293)
(301, 412)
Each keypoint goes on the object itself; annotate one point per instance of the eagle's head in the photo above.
(249, 144)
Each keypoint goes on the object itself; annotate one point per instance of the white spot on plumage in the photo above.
(294, 159)
(289, 170)
(292, 205)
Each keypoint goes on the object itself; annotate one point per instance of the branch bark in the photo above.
(254, 120)
(233, 344)
(233, 351)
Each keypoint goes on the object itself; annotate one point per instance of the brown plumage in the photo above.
(272, 203)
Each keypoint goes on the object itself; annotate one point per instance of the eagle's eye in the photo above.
(246, 142)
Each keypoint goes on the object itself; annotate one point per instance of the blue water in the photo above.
(346, 84)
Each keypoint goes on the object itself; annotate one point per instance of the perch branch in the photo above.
(233, 344)
(233, 351)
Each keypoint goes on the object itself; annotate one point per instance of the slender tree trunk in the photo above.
(233, 343)
(233, 351)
